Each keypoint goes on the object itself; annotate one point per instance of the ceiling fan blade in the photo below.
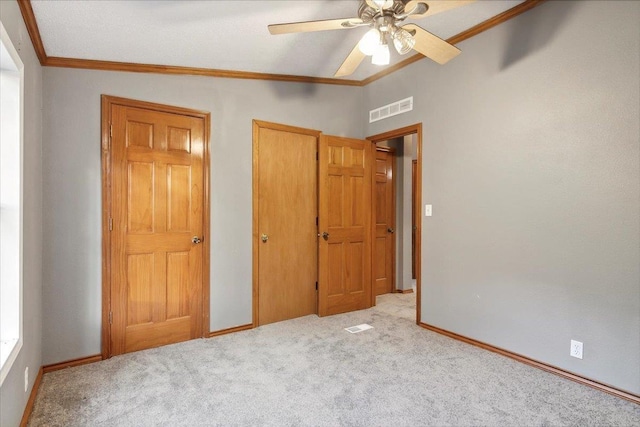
(351, 63)
(436, 6)
(308, 26)
(432, 46)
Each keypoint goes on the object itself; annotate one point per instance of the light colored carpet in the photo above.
(310, 372)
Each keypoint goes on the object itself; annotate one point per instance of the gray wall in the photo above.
(72, 198)
(13, 398)
(531, 161)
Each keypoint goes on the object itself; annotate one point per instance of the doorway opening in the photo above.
(407, 144)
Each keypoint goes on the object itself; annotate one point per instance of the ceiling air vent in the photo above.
(392, 109)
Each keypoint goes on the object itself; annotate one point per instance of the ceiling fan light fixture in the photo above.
(369, 42)
(383, 19)
(403, 41)
(382, 55)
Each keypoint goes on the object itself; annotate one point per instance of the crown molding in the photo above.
(34, 34)
(90, 64)
(32, 29)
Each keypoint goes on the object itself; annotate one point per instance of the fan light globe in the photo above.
(403, 41)
(382, 55)
(369, 42)
(383, 4)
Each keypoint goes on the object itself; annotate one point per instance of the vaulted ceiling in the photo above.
(228, 35)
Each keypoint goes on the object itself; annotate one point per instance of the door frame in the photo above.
(257, 125)
(107, 101)
(415, 129)
(414, 219)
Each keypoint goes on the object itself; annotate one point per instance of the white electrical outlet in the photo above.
(26, 379)
(576, 349)
(428, 210)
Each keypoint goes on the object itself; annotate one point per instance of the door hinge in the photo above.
(110, 131)
(110, 224)
(111, 318)
(316, 286)
(317, 156)
(316, 221)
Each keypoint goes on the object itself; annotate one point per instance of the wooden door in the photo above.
(285, 230)
(157, 208)
(345, 224)
(384, 207)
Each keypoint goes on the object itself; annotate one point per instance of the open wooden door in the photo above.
(384, 220)
(344, 247)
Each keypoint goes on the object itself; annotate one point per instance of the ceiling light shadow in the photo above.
(540, 31)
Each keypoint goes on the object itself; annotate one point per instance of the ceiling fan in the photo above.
(383, 18)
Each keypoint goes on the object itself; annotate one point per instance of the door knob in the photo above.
(325, 235)
(390, 230)
(196, 240)
(264, 238)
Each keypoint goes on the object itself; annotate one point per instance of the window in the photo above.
(11, 77)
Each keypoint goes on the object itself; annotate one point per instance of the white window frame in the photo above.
(8, 363)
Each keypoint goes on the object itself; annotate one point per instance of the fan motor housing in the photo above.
(368, 13)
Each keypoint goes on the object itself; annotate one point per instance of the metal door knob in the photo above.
(196, 240)
(325, 235)
(390, 230)
(264, 238)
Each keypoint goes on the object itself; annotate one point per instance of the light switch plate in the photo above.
(428, 210)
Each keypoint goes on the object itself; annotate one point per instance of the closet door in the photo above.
(285, 230)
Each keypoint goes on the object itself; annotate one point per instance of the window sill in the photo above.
(8, 353)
